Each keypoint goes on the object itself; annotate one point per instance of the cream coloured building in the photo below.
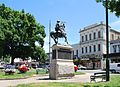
(93, 44)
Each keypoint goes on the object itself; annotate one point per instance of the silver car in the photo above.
(80, 67)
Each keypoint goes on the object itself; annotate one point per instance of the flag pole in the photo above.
(49, 40)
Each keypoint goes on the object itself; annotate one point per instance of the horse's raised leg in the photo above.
(66, 40)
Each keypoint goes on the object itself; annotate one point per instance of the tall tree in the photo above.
(113, 6)
(18, 33)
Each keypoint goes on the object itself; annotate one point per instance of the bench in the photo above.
(101, 75)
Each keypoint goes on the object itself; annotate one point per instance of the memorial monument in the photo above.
(62, 58)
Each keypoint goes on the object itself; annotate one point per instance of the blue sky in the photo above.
(76, 13)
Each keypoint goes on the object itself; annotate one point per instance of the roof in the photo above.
(93, 26)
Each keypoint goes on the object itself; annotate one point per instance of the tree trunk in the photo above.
(12, 61)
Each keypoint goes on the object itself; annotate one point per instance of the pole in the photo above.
(49, 40)
(107, 44)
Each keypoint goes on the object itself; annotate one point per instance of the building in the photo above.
(115, 51)
(76, 50)
(93, 44)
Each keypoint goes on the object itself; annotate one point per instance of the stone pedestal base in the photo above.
(61, 68)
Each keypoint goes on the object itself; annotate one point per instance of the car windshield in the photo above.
(9, 66)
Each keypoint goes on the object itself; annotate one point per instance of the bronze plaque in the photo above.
(64, 54)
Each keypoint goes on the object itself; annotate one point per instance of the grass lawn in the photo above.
(29, 73)
(115, 82)
(79, 73)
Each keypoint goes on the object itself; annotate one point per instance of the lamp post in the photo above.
(107, 44)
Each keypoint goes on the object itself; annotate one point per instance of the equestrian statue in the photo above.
(59, 32)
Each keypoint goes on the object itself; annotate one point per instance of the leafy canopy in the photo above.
(18, 33)
(113, 6)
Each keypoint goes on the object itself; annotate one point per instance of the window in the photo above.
(90, 37)
(90, 49)
(77, 53)
(114, 48)
(82, 38)
(118, 65)
(112, 36)
(99, 48)
(99, 36)
(82, 50)
(94, 47)
(94, 35)
(118, 48)
(86, 49)
(118, 37)
(86, 37)
(73, 54)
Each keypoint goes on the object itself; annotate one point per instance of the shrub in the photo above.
(23, 68)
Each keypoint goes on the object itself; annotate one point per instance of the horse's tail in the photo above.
(52, 35)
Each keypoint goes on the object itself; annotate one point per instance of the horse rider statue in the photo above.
(59, 32)
(60, 27)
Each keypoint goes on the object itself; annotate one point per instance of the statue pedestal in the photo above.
(62, 63)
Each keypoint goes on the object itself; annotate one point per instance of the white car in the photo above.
(80, 67)
(115, 67)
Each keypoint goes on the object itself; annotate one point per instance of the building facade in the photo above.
(93, 44)
(115, 51)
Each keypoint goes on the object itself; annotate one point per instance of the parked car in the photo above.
(80, 67)
(10, 69)
(115, 67)
(2, 64)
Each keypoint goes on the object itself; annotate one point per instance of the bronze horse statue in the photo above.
(60, 33)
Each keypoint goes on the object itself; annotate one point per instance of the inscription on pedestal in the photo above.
(64, 54)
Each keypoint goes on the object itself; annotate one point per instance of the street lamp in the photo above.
(107, 44)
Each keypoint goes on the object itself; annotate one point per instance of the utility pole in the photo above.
(107, 44)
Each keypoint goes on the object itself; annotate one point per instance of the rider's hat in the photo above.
(58, 21)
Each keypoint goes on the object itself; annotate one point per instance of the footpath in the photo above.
(77, 78)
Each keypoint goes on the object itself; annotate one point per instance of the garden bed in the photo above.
(18, 75)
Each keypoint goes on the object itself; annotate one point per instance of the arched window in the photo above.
(99, 48)
(86, 49)
(99, 34)
(94, 35)
(90, 49)
(82, 38)
(90, 37)
(82, 50)
(94, 47)
(114, 48)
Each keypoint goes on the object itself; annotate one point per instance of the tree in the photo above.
(113, 6)
(18, 33)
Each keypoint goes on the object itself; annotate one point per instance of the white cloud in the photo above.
(115, 24)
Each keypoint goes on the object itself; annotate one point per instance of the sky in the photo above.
(76, 14)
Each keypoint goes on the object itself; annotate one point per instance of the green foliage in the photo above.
(18, 33)
(76, 61)
(113, 6)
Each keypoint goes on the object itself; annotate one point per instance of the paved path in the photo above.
(76, 78)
